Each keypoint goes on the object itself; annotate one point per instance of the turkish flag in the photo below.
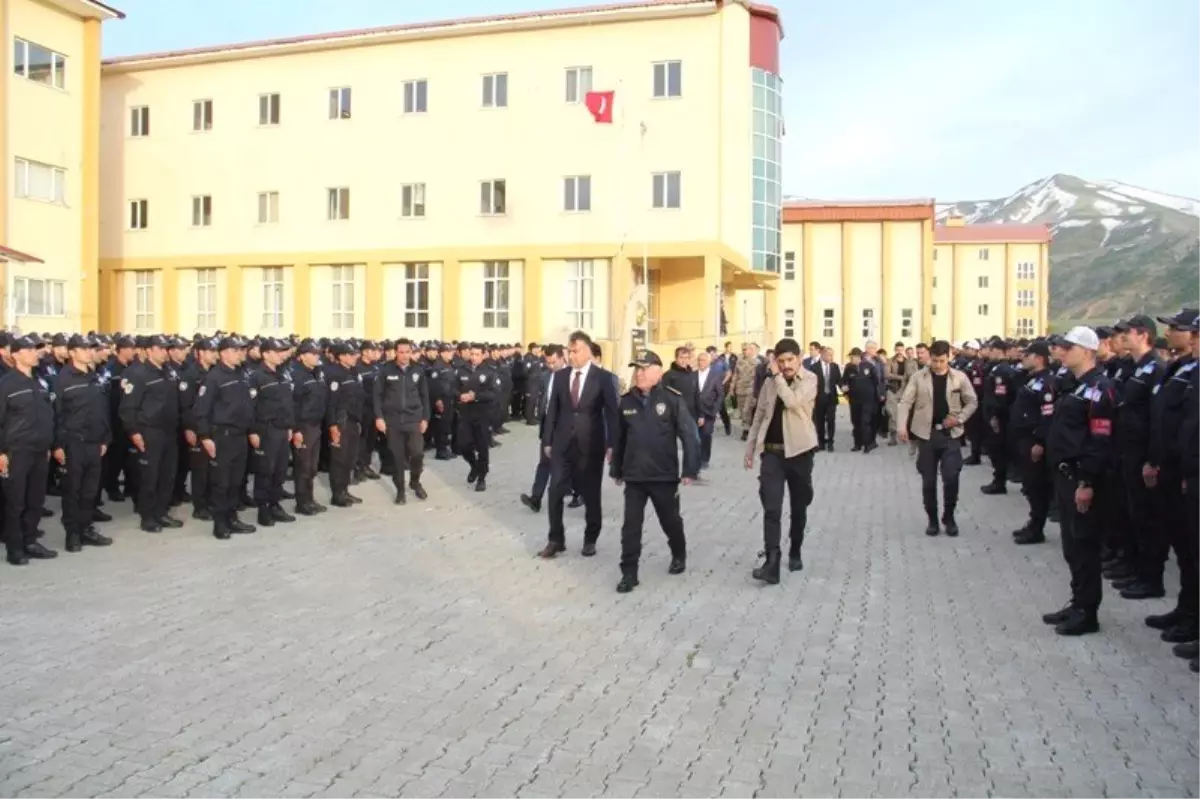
(601, 105)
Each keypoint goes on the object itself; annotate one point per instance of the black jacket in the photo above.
(223, 403)
(310, 395)
(347, 397)
(827, 394)
(686, 384)
(149, 400)
(26, 414)
(648, 426)
(401, 395)
(274, 405)
(80, 408)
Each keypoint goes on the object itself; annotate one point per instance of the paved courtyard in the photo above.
(424, 651)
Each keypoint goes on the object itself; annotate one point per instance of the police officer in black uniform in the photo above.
(52, 362)
(1140, 575)
(224, 417)
(1189, 436)
(475, 392)
(204, 356)
(368, 369)
(1029, 425)
(117, 460)
(650, 419)
(311, 397)
(82, 434)
(26, 434)
(343, 419)
(1163, 472)
(534, 368)
(1080, 447)
(270, 437)
(150, 417)
(976, 427)
(999, 389)
(442, 382)
(401, 412)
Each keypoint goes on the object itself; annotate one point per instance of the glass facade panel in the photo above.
(767, 171)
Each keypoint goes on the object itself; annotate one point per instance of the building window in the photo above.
(202, 115)
(42, 182)
(789, 323)
(139, 121)
(935, 281)
(579, 83)
(1025, 298)
(39, 64)
(495, 294)
(343, 298)
(268, 109)
(143, 317)
(906, 323)
(206, 299)
(272, 298)
(789, 265)
(268, 207)
(666, 190)
(868, 323)
(581, 297)
(1025, 270)
(984, 254)
(202, 211)
(933, 310)
(983, 281)
(416, 296)
(36, 297)
(982, 310)
(935, 252)
(338, 201)
(139, 214)
(495, 90)
(577, 193)
(1024, 327)
(668, 79)
(339, 103)
(416, 96)
(492, 197)
(766, 172)
(827, 323)
(412, 201)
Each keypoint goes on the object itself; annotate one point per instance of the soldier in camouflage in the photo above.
(743, 385)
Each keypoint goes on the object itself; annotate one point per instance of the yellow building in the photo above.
(990, 280)
(885, 271)
(449, 180)
(50, 160)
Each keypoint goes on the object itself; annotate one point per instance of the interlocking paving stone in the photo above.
(424, 650)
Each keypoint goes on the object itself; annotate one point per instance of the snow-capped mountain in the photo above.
(1116, 249)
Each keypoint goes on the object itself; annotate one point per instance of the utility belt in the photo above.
(775, 449)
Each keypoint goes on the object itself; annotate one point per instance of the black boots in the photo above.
(768, 572)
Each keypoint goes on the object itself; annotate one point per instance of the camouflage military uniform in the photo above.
(898, 374)
(743, 388)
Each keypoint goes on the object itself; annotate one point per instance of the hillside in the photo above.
(1116, 249)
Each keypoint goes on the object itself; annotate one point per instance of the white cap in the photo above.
(1083, 337)
(970, 344)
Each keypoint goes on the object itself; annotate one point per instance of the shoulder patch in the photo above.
(674, 391)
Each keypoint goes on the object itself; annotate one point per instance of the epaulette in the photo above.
(674, 391)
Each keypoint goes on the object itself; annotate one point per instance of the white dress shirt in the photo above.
(703, 374)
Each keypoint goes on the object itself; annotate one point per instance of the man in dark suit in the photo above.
(711, 400)
(581, 417)
(829, 377)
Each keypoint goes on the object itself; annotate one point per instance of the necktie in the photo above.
(575, 388)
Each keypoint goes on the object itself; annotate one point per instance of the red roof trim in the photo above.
(524, 16)
(7, 254)
(991, 234)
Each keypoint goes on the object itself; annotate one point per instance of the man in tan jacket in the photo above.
(782, 433)
(941, 399)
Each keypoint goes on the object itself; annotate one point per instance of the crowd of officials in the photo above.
(1098, 427)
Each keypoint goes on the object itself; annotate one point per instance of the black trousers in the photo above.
(474, 437)
(665, 498)
(1190, 584)
(269, 463)
(997, 449)
(1081, 541)
(725, 420)
(24, 494)
(570, 470)
(940, 453)
(1036, 480)
(116, 461)
(776, 474)
(1118, 531)
(706, 435)
(367, 442)
(976, 430)
(1179, 516)
(307, 457)
(862, 415)
(156, 480)
(407, 447)
(825, 420)
(182, 469)
(441, 427)
(201, 474)
(343, 457)
(226, 471)
(80, 485)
